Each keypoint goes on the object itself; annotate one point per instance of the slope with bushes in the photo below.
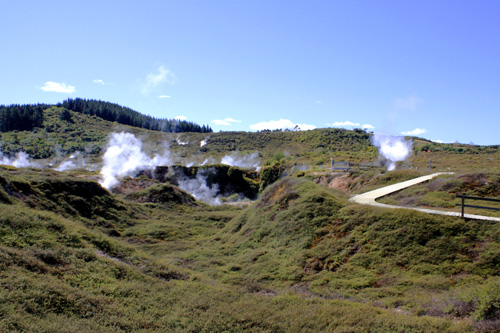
(303, 239)
(65, 131)
(60, 268)
(148, 256)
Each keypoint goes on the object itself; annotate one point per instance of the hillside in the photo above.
(279, 247)
(30, 116)
(87, 133)
(76, 256)
(58, 137)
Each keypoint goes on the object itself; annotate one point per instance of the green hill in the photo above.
(58, 132)
(127, 266)
(29, 117)
(300, 257)
(88, 133)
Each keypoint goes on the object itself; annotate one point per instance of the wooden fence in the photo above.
(344, 166)
(463, 205)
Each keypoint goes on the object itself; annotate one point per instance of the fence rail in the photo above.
(344, 166)
(463, 205)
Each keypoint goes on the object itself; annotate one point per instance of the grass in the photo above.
(310, 150)
(300, 258)
(49, 284)
(444, 193)
(173, 264)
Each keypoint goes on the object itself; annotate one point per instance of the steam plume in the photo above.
(75, 161)
(124, 157)
(199, 189)
(180, 142)
(393, 148)
(209, 160)
(247, 161)
(21, 160)
(204, 141)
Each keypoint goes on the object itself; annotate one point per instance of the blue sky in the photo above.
(431, 68)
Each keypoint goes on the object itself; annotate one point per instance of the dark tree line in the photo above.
(127, 116)
(27, 117)
(21, 117)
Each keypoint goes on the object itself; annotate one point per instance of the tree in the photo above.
(66, 116)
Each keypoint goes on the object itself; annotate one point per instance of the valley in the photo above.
(235, 231)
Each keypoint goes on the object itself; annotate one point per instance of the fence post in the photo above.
(463, 205)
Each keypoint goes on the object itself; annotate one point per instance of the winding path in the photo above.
(369, 198)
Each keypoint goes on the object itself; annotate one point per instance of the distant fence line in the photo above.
(344, 166)
(348, 166)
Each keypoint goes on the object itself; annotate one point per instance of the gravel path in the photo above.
(369, 198)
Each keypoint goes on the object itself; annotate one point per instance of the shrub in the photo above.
(269, 175)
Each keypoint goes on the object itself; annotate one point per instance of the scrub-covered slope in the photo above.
(61, 267)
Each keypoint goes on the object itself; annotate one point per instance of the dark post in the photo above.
(430, 165)
(463, 205)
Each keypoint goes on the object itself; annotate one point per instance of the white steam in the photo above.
(180, 142)
(20, 160)
(124, 157)
(247, 161)
(75, 161)
(199, 189)
(393, 148)
(209, 160)
(204, 141)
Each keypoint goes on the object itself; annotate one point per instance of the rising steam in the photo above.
(124, 157)
(393, 148)
(75, 161)
(199, 189)
(247, 161)
(20, 160)
(180, 142)
(204, 141)
(209, 160)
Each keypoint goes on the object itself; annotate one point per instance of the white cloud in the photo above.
(408, 103)
(221, 122)
(164, 96)
(225, 122)
(343, 124)
(231, 120)
(350, 124)
(438, 141)
(153, 80)
(318, 101)
(181, 118)
(51, 86)
(416, 131)
(280, 124)
(305, 127)
(101, 82)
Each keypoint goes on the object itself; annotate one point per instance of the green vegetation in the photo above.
(301, 257)
(126, 116)
(445, 192)
(21, 117)
(56, 136)
(229, 180)
(40, 120)
(171, 264)
(81, 125)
